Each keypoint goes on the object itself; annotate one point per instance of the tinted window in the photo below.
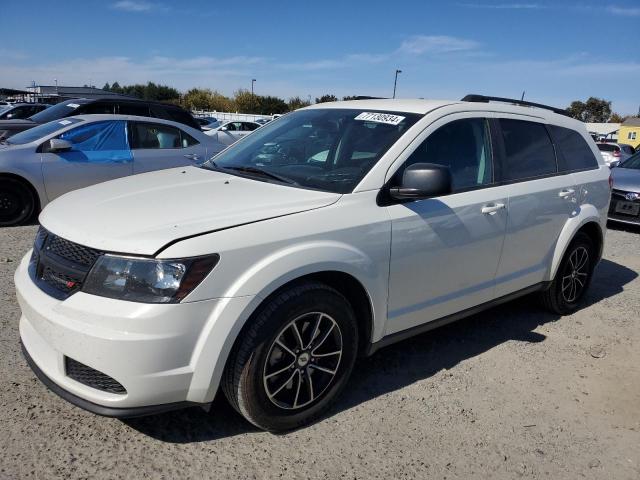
(463, 146)
(181, 116)
(97, 108)
(61, 110)
(98, 136)
(134, 109)
(249, 126)
(154, 135)
(577, 154)
(607, 147)
(528, 149)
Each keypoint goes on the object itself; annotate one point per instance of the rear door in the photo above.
(157, 146)
(541, 201)
(100, 152)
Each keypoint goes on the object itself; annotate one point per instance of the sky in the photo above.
(555, 51)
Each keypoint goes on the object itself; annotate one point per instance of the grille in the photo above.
(59, 266)
(91, 377)
(72, 251)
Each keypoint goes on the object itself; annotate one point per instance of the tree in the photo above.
(350, 97)
(150, 91)
(206, 99)
(106, 87)
(269, 105)
(595, 110)
(327, 98)
(617, 118)
(295, 103)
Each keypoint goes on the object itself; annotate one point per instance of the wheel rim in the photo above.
(303, 361)
(14, 204)
(575, 276)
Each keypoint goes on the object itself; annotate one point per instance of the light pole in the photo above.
(253, 80)
(395, 82)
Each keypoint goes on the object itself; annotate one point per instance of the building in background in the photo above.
(603, 131)
(57, 93)
(630, 132)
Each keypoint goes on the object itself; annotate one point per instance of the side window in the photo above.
(462, 145)
(97, 137)
(187, 140)
(96, 108)
(528, 149)
(155, 136)
(249, 127)
(577, 154)
(141, 110)
(232, 127)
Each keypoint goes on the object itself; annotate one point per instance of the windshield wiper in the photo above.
(264, 173)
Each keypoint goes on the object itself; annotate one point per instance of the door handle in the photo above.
(566, 193)
(192, 156)
(492, 208)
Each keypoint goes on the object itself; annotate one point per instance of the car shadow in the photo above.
(398, 365)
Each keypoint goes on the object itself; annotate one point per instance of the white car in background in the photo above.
(230, 132)
(615, 152)
(332, 232)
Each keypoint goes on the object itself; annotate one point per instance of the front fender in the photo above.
(584, 214)
(264, 277)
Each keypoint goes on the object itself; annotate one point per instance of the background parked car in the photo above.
(231, 132)
(113, 105)
(625, 196)
(208, 123)
(21, 110)
(47, 161)
(612, 152)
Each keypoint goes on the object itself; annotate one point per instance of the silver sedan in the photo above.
(44, 162)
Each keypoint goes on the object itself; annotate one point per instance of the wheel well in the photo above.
(593, 230)
(26, 183)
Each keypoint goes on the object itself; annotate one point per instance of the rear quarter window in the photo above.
(574, 149)
(528, 150)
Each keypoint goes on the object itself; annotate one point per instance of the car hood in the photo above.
(627, 179)
(143, 213)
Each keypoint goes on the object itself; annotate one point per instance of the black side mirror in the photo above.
(423, 180)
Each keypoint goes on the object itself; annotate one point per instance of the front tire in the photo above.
(572, 278)
(293, 359)
(17, 203)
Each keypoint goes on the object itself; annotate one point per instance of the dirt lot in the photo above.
(514, 392)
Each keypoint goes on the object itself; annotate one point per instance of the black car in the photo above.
(21, 110)
(84, 106)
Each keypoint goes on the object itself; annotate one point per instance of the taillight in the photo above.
(616, 153)
(611, 181)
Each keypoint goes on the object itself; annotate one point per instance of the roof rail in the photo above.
(524, 103)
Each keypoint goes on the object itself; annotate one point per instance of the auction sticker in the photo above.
(72, 105)
(387, 118)
(65, 122)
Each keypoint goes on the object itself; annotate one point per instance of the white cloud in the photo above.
(505, 6)
(138, 6)
(425, 44)
(625, 11)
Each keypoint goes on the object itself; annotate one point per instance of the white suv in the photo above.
(326, 234)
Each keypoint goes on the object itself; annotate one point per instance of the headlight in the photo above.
(147, 280)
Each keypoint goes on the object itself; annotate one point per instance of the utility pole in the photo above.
(395, 82)
(253, 80)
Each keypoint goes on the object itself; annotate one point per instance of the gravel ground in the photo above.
(513, 392)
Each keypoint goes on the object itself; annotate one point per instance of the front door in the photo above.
(100, 152)
(157, 146)
(445, 250)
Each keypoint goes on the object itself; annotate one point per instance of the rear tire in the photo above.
(293, 359)
(572, 278)
(17, 202)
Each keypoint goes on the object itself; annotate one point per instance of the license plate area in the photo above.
(628, 208)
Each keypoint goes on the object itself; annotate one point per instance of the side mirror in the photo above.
(59, 145)
(423, 180)
(224, 129)
(614, 164)
(9, 115)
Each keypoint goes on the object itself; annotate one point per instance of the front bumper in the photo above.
(159, 353)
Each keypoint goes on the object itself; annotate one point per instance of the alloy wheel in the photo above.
(575, 275)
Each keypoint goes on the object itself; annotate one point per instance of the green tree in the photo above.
(596, 110)
(206, 99)
(327, 98)
(295, 103)
(107, 87)
(617, 118)
(269, 105)
(350, 97)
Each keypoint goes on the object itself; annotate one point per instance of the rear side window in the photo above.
(187, 140)
(97, 108)
(528, 150)
(181, 116)
(141, 110)
(575, 151)
(154, 136)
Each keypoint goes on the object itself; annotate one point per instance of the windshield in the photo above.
(60, 110)
(40, 131)
(324, 149)
(631, 162)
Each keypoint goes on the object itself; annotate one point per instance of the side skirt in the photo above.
(417, 330)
